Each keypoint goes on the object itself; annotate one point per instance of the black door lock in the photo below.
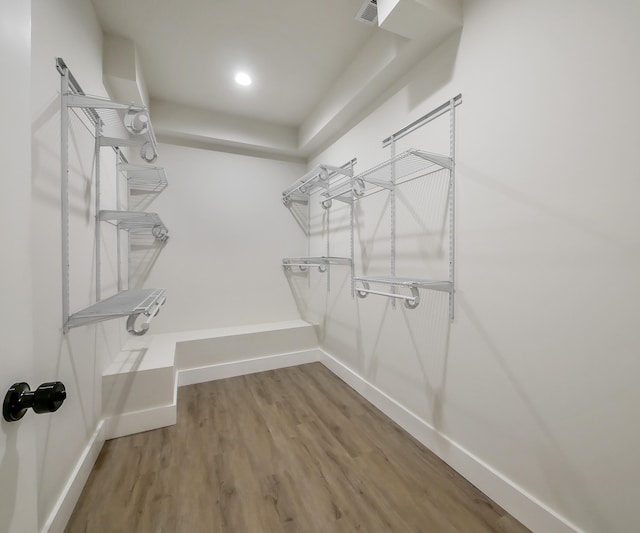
(47, 398)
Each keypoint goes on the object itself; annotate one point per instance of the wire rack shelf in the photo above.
(404, 167)
(303, 263)
(132, 302)
(144, 178)
(121, 123)
(320, 177)
(137, 222)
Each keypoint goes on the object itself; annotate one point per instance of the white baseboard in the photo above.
(524, 507)
(139, 421)
(191, 376)
(61, 512)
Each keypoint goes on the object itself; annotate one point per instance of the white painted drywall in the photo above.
(122, 73)
(537, 375)
(192, 126)
(17, 439)
(68, 29)
(228, 234)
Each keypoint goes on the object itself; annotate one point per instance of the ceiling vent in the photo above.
(368, 12)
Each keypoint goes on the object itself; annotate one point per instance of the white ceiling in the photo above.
(315, 68)
(189, 51)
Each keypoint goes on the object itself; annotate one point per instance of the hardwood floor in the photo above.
(291, 450)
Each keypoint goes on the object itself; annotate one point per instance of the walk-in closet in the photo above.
(337, 266)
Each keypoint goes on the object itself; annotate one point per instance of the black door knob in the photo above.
(47, 398)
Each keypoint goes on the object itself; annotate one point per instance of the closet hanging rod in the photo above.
(390, 294)
(432, 115)
(410, 302)
(316, 261)
(434, 285)
(304, 266)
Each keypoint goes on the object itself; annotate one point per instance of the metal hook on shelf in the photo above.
(358, 187)
(147, 148)
(326, 204)
(137, 121)
(363, 293)
(414, 301)
(150, 314)
(160, 233)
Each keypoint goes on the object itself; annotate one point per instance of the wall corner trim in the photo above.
(523, 506)
(66, 502)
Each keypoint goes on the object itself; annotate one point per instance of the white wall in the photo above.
(228, 234)
(537, 376)
(68, 29)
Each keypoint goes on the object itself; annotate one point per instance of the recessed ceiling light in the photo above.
(242, 78)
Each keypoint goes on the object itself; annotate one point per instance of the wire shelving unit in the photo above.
(397, 170)
(323, 180)
(145, 178)
(116, 125)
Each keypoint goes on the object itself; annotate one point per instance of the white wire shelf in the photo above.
(320, 177)
(412, 284)
(145, 178)
(435, 285)
(130, 302)
(321, 262)
(404, 167)
(137, 222)
(112, 116)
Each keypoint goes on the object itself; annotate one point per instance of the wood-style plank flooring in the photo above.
(292, 450)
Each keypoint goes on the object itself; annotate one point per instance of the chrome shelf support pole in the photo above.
(97, 225)
(393, 217)
(452, 207)
(351, 242)
(64, 192)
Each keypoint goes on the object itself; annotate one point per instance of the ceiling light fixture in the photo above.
(242, 78)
